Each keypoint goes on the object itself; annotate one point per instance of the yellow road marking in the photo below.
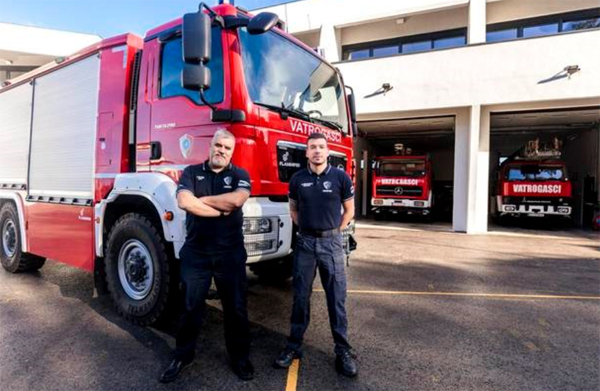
(292, 378)
(466, 294)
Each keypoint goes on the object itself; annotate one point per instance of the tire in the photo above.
(11, 257)
(274, 271)
(137, 270)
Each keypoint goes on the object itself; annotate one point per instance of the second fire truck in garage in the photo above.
(534, 182)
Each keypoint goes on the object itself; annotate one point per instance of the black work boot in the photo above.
(285, 359)
(243, 368)
(345, 365)
(174, 370)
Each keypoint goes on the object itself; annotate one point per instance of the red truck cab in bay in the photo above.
(534, 182)
(402, 184)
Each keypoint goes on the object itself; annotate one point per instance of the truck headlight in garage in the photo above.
(510, 208)
(420, 203)
(563, 210)
(377, 202)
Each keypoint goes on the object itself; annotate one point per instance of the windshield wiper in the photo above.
(284, 111)
(331, 124)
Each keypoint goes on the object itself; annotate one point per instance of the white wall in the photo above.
(482, 74)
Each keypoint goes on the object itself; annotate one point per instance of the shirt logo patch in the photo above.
(227, 180)
(200, 178)
(186, 144)
(327, 185)
(306, 184)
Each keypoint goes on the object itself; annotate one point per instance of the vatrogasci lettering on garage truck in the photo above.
(534, 182)
(93, 145)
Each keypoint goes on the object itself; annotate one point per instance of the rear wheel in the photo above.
(137, 269)
(11, 257)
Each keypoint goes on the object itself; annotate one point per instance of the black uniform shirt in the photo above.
(319, 198)
(214, 234)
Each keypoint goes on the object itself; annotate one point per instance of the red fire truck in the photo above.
(93, 146)
(402, 183)
(534, 182)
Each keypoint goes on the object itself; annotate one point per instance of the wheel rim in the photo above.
(136, 270)
(9, 238)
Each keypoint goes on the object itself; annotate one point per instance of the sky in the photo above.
(106, 18)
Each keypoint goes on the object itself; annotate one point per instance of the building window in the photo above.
(383, 51)
(451, 42)
(583, 24)
(540, 30)
(358, 54)
(413, 47)
(172, 65)
(501, 35)
(544, 25)
(405, 45)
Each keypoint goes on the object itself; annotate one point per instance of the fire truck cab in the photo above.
(402, 184)
(534, 182)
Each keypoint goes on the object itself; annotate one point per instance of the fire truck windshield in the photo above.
(409, 168)
(281, 74)
(535, 172)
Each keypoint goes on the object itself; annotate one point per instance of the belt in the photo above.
(320, 233)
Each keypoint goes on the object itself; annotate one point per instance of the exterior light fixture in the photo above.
(571, 69)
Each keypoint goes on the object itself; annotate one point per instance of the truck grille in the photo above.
(399, 191)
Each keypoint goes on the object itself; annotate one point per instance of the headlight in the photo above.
(257, 226)
(563, 210)
(377, 202)
(260, 246)
(419, 203)
(510, 208)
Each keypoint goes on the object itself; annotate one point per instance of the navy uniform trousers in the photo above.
(327, 255)
(229, 271)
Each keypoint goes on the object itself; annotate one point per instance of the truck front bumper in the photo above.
(534, 210)
(400, 203)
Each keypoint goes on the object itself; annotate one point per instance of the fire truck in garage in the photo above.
(534, 182)
(402, 183)
(93, 146)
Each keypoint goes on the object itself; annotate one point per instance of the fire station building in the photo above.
(467, 82)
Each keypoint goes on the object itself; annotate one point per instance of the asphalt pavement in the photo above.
(428, 310)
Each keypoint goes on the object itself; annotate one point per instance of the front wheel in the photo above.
(137, 269)
(11, 257)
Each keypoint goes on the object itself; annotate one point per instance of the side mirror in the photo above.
(352, 106)
(195, 77)
(262, 23)
(196, 39)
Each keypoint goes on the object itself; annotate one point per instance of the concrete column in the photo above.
(471, 170)
(329, 42)
(477, 21)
